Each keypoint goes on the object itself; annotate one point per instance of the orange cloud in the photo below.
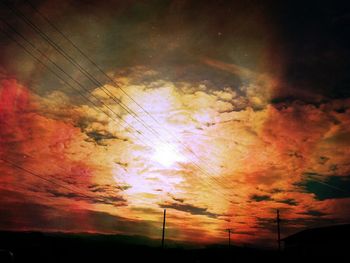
(207, 155)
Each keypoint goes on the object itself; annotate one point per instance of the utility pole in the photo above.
(229, 237)
(278, 230)
(163, 234)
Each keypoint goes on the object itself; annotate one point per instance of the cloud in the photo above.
(94, 199)
(327, 188)
(235, 163)
(188, 208)
(99, 137)
(32, 216)
(259, 198)
(289, 202)
(257, 123)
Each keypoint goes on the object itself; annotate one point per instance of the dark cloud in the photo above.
(259, 198)
(124, 165)
(323, 159)
(107, 222)
(314, 213)
(308, 42)
(180, 200)
(329, 188)
(165, 35)
(106, 188)
(291, 226)
(32, 216)
(24, 215)
(98, 137)
(94, 199)
(316, 46)
(147, 210)
(188, 208)
(288, 202)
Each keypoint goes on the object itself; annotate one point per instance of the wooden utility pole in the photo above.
(278, 230)
(163, 234)
(229, 237)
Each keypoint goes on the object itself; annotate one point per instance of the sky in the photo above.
(220, 112)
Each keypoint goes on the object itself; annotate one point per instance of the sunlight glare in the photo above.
(167, 155)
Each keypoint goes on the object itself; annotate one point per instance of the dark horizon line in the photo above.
(147, 241)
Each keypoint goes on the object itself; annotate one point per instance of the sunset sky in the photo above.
(219, 111)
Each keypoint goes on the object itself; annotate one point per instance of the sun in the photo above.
(167, 154)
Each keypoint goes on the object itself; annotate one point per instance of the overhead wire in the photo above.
(68, 84)
(99, 84)
(313, 178)
(95, 106)
(54, 182)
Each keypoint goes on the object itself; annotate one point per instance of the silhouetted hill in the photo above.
(85, 247)
(69, 247)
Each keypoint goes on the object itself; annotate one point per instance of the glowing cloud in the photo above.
(167, 155)
(223, 163)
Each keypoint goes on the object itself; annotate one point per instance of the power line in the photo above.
(312, 177)
(67, 83)
(99, 68)
(71, 60)
(224, 195)
(97, 83)
(46, 38)
(45, 179)
(56, 47)
(146, 111)
(96, 108)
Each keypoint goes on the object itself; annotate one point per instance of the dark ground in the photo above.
(58, 247)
